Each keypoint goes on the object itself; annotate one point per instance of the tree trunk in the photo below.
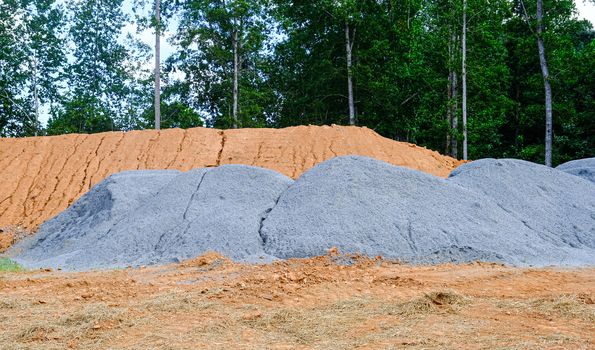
(455, 120)
(546, 84)
(448, 107)
(452, 96)
(236, 73)
(157, 65)
(35, 95)
(348, 50)
(464, 77)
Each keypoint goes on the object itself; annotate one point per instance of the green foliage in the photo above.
(293, 69)
(205, 56)
(31, 58)
(173, 115)
(401, 66)
(81, 115)
(7, 265)
(103, 91)
(569, 44)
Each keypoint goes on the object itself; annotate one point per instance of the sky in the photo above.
(586, 10)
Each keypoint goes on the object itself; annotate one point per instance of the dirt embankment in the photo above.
(41, 176)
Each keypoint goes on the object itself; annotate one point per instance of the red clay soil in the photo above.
(212, 303)
(42, 176)
(6, 240)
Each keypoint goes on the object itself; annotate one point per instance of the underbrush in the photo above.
(7, 265)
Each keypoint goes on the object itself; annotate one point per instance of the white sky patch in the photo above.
(586, 10)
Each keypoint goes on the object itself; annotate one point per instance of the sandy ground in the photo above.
(321, 303)
(42, 176)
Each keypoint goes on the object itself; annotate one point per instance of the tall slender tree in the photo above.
(546, 85)
(15, 111)
(349, 41)
(464, 78)
(157, 64)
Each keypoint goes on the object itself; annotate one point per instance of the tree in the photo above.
(14, 111)
(99, 77)
(46, 58)
(31, 62)
(546, 85)
(174, 115)
(546, 77)
(157, 64)
(453, 92)
(326, 31)
(222, 57)
(346, 11)
(464, 78)
(565, 39)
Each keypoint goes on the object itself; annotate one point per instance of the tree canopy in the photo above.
(277, 63)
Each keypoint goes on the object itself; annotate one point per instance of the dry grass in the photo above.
(310, 326)
(569, 306)
(177, 302)
(327, 326)
(87, 325)
(35, 332)
(262, 307)
(429, 303)
(92, 316)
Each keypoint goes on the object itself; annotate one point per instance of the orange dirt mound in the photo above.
(41, 176)
(6, 240)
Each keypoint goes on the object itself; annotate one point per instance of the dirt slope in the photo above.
(41, 176)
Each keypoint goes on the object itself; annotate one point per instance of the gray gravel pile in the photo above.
(507, 211)
(214, 209)
(364, 205)
(557, 207)
(76, 228)
(584, 168)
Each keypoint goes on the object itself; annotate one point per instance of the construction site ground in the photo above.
(330, 302)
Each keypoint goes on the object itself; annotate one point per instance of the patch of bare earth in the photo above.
(320, 303)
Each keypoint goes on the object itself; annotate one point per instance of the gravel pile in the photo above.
(201, 210)
(584, 168)
(364, 205)
(507, 211)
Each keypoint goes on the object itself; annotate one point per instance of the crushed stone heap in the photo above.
(364, 205)
(557, 207)
(507, 211)
(179, 217)
(584, 168)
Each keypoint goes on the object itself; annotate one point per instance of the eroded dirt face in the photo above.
(211, 303)
(42, 176)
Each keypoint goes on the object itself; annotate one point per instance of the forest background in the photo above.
(395, 66)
